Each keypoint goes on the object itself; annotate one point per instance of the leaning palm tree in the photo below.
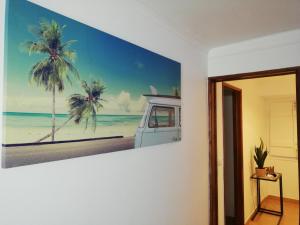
(56, 67)
(84, 107)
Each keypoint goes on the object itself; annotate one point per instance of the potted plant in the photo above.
(260, 156)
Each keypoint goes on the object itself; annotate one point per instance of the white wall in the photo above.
(270, 52)
(166, 185)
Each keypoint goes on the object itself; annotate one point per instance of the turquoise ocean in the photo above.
(26, 127)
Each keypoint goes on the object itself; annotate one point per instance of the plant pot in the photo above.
(261, 172)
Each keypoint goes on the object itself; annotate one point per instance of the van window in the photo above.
(162, 117)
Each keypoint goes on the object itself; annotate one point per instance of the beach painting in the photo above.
(71, 90)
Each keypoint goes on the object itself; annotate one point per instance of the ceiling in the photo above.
(215, 23)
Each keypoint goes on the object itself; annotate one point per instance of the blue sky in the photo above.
(126, 69)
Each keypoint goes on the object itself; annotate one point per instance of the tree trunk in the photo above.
(57, 129)
(53, 113)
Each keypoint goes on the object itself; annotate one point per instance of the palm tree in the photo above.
(51, 71)
(84, 107)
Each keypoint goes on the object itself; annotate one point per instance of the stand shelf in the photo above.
(263, 210)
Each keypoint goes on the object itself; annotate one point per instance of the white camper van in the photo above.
(161, 122)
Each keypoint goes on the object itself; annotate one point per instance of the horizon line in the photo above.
(69, 114)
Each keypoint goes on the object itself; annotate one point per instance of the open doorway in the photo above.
(281, 154)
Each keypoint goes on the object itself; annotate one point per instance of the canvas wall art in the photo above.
(71, 90)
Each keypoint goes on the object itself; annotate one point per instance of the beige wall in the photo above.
(282, 87)
(254, 93)
(254, 127)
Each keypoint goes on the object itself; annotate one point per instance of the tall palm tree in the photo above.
(84, 107)
(56, 67)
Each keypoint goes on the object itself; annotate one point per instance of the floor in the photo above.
(290, 217)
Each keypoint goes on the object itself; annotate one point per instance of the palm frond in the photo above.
(67, 44)
(35, 30)
(98, 105)
(69, 54)
(97, 89)
(77, 105)
(71, 68)
(35, 47)
(41, 72)
(86, 87)
(63, 69)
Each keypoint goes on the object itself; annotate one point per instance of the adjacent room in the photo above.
(269, 122)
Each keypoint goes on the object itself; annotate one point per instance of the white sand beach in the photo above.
(13, 135)
(31, 154)
(23, 130)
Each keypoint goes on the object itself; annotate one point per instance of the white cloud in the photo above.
(140, 104)
(124, 101)
(120, 104)
(124, 104)
(36, 104)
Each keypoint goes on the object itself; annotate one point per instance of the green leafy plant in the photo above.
(261, 154)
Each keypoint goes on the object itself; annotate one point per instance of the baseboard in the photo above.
(249, 218)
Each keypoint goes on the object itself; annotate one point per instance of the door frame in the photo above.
(212, 81)
(237, 150)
